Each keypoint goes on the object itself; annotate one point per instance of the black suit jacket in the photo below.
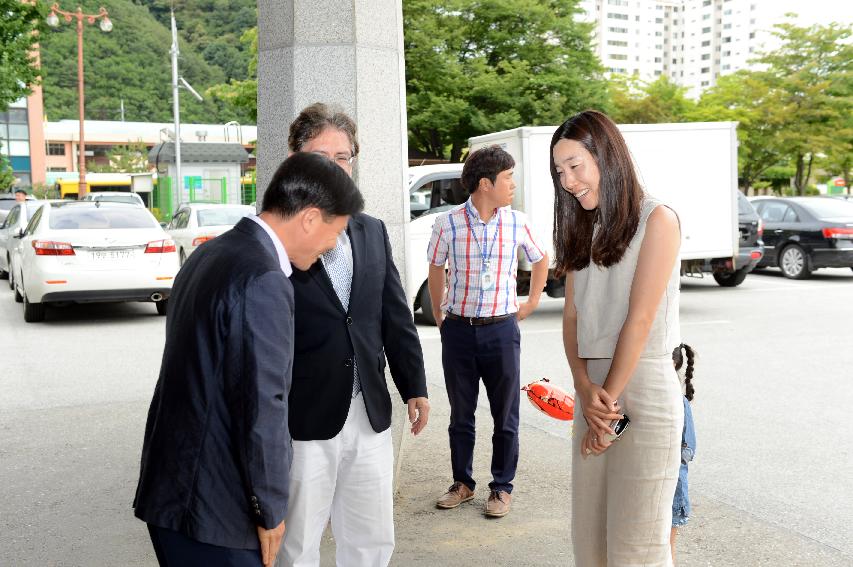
(216, 455)
(377, 325)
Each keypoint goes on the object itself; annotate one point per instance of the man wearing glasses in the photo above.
(351, 314)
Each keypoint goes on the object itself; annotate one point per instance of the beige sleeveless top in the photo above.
(601, 300)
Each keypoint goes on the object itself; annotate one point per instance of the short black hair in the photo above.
(308, 180)
(316, 118)
(21, 190)
(486, 162)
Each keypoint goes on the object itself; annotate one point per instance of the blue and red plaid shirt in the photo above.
(462, 240)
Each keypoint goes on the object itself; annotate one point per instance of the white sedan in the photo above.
(87, 252)
(14, 224)
(115, 197)
(196, 223)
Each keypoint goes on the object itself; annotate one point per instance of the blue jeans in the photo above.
(681, 500)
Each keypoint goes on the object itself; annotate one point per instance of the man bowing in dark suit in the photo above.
(213, 484)
(351, 314)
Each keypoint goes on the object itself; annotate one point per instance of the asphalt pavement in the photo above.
(768, 483)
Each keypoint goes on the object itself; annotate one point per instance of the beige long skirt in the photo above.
(622, 499)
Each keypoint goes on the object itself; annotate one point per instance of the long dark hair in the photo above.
(619, 197)
(678, 360)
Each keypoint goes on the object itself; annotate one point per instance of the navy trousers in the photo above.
(174, 549)
(491, 352)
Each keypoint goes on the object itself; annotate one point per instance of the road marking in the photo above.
(792, 287)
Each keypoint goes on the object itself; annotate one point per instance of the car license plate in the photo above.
(110, 255)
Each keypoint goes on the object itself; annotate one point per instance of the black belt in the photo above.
(478, 321)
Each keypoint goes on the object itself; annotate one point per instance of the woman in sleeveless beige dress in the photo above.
(618, 247)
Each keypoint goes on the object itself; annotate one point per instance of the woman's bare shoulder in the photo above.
(662, 221)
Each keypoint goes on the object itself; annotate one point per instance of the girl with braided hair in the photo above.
(681, 501)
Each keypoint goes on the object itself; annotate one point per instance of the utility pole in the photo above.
(176, 107)
(106, 26)
(177, 82)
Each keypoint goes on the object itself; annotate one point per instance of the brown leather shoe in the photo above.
(497, 506)
(455, 495)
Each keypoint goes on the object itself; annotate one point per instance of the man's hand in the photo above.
(418, 414)
(270, 542)
(438, 315)
(525, 309)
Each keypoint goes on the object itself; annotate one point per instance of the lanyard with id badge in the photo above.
(487, 276)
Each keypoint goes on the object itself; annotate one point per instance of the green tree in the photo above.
(132, 64)
(132, 158)
(242, 95)
(812, 73)
(19, 27)
(840, 161)
(635, 101)
(478, 67)
(6, 177)
(213, 29)
(762, 115)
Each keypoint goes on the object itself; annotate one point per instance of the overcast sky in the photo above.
(815, 11)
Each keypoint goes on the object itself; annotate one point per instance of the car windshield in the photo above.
(77, 217)
(829, 208)
(117, 199)
(222, 217)
(744, 207)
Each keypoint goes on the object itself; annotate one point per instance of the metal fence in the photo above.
(163, 203)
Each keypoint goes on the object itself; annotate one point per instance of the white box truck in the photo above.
(690, 166)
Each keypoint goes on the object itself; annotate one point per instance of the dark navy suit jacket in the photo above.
(216, 456)
(377, 325)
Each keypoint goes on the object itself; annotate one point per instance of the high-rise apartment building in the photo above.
(693, 42)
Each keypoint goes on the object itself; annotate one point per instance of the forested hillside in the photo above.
(132, 63)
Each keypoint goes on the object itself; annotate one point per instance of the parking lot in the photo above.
(773, 392)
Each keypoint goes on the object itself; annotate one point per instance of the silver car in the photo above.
(196, 223)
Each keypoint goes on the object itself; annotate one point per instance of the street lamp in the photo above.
(106, 25)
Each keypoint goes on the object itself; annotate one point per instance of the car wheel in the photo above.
(183, 257)
(731, 279)
(33, 312)
(794, 263)
(426, 305)
(162, 306)
(4, 275)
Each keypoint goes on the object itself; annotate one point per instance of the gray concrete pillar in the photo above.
(348, 52)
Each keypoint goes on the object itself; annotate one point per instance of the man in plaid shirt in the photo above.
(478, 316)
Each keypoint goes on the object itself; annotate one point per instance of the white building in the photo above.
(693, 42)
(60, 138)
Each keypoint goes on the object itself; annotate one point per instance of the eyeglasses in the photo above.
(343, 160)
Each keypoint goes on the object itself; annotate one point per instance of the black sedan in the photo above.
(750, 247)
(802, 234)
